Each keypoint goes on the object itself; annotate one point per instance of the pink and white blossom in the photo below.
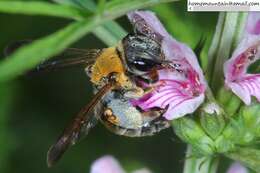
(237, 168)
(243, 84)
(180, 88)
(108, 164)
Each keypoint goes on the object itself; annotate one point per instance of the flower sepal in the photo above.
(212, 119)
(247, 156)
(244, 128)
(228, 101)
(192, 133)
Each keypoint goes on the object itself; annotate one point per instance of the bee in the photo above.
(115, 73)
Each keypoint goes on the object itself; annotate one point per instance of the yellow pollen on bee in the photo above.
(106, 63)
(110, 116)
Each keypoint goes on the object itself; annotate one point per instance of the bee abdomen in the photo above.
(148, 129)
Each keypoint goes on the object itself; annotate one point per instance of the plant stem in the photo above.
(227, 35)
(192, 164)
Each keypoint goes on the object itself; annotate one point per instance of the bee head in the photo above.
(142, 54)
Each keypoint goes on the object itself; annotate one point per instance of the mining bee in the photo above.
(117, 74)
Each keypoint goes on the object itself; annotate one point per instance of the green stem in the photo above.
(192, 164)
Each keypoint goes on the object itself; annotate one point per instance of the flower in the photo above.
(243, 84)
(180, 89)
(237, 168)
(108, 164)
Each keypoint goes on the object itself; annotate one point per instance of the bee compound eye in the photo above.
(143, 64)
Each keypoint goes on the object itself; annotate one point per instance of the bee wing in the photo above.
(71, 57)
(77, 129)
(68, 58)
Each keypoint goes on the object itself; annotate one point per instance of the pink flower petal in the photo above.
(185, 106)
(180, 92)
(181, 54)
(147, 23)
(106, 164)
(181, 88)
(253, 23)
(244, 85)
(237, 168)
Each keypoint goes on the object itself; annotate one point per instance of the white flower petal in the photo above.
(237, 168)
(253, 23)
(106, 164)
(184, 107)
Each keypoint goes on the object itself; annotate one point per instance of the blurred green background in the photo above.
(35, 109)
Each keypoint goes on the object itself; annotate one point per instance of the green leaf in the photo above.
(248, 156)
(118, 7)
(101, 6)
(111, 32)
(227, 35)
(42, 8)
(85, 4)
(29, 56)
